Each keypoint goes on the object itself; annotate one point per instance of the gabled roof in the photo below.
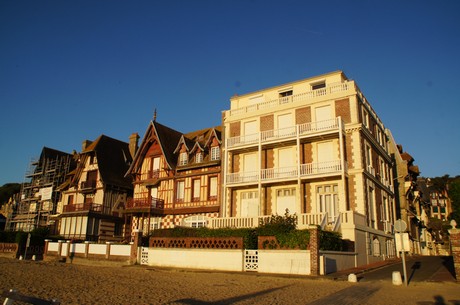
(170, 141)
(186, 141)
(216, 132)
(50, 153)
(167, 139)
(113, 159)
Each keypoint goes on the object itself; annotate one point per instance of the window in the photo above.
(285, 96)
(92, 159)
(180, 191)
(155, 223)
(317, 86)
(376, 247)
(371, 208)
(199, 157)
(215, 153)
(70, 199)
(213, 188)
(183, 158)
(197, 221)
(365, 118)
(328, 200)
(196, 190)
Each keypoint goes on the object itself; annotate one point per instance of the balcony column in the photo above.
(259, 170)
(298, 160)
(342, 163)
(226, 155)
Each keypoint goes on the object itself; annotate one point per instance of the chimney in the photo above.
(133, 142)
(85, 144)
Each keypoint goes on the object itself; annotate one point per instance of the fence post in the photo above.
(45, 249)
(87, 248)
(137, 242)
(107, 251)
(68, 249)
(314, 251)
(59, 248)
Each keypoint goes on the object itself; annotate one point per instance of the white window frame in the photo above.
(180, 191)
(213, 190)
(183, 158)
(195, 221)
(215, 153)
(333, 196)
(199, 157)
(196, 184)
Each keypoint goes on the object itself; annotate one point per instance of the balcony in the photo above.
(305, 97)
(83, 207)
(308, 170)
(288, 133)
(89, 185)
(145, 203)
(304, 221)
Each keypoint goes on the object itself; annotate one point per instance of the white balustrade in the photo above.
(302, 97)
(300, 130)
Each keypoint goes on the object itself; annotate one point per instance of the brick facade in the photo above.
(455, 244)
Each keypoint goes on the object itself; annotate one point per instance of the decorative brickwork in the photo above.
(455, 244)
(267, 123)
(235, 129)
(8, 247)
(342, 109)
(303, 115)
(197, 242)
(349, 150)
(314, 251)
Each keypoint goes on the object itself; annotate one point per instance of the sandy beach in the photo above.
(117, 284)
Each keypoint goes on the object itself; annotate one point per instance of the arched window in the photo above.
(376, 246)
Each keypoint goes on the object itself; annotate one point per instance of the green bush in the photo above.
(249, 236)
(331, 241)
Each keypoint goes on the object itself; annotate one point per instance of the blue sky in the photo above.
(72, 70)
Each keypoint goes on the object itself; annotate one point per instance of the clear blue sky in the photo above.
(72, 70)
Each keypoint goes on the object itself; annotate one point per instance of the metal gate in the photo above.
(251, 260)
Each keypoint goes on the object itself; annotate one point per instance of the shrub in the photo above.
(331, 241)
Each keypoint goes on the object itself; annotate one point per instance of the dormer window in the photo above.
(215, 153)
(199, 157)
(285, 96)
(183, 158)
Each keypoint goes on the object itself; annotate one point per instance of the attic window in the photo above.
(319, 85)
(198, 157)
(285, 96)
(183, 158)
(215, 153)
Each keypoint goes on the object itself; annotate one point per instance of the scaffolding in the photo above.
(39, 191)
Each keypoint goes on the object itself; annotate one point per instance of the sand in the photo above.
(115, 284)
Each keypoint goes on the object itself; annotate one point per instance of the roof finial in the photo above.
(155, 115)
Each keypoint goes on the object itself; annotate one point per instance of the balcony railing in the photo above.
(83, 207)
(286, 173)
(151, 174)
(303, 221)
(300, 130)
(145, 203)
(302, 97)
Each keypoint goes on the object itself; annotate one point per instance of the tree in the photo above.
(454, 195)
(8, 190)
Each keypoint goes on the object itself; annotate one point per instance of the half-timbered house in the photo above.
(98, 189)
(176, 178)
